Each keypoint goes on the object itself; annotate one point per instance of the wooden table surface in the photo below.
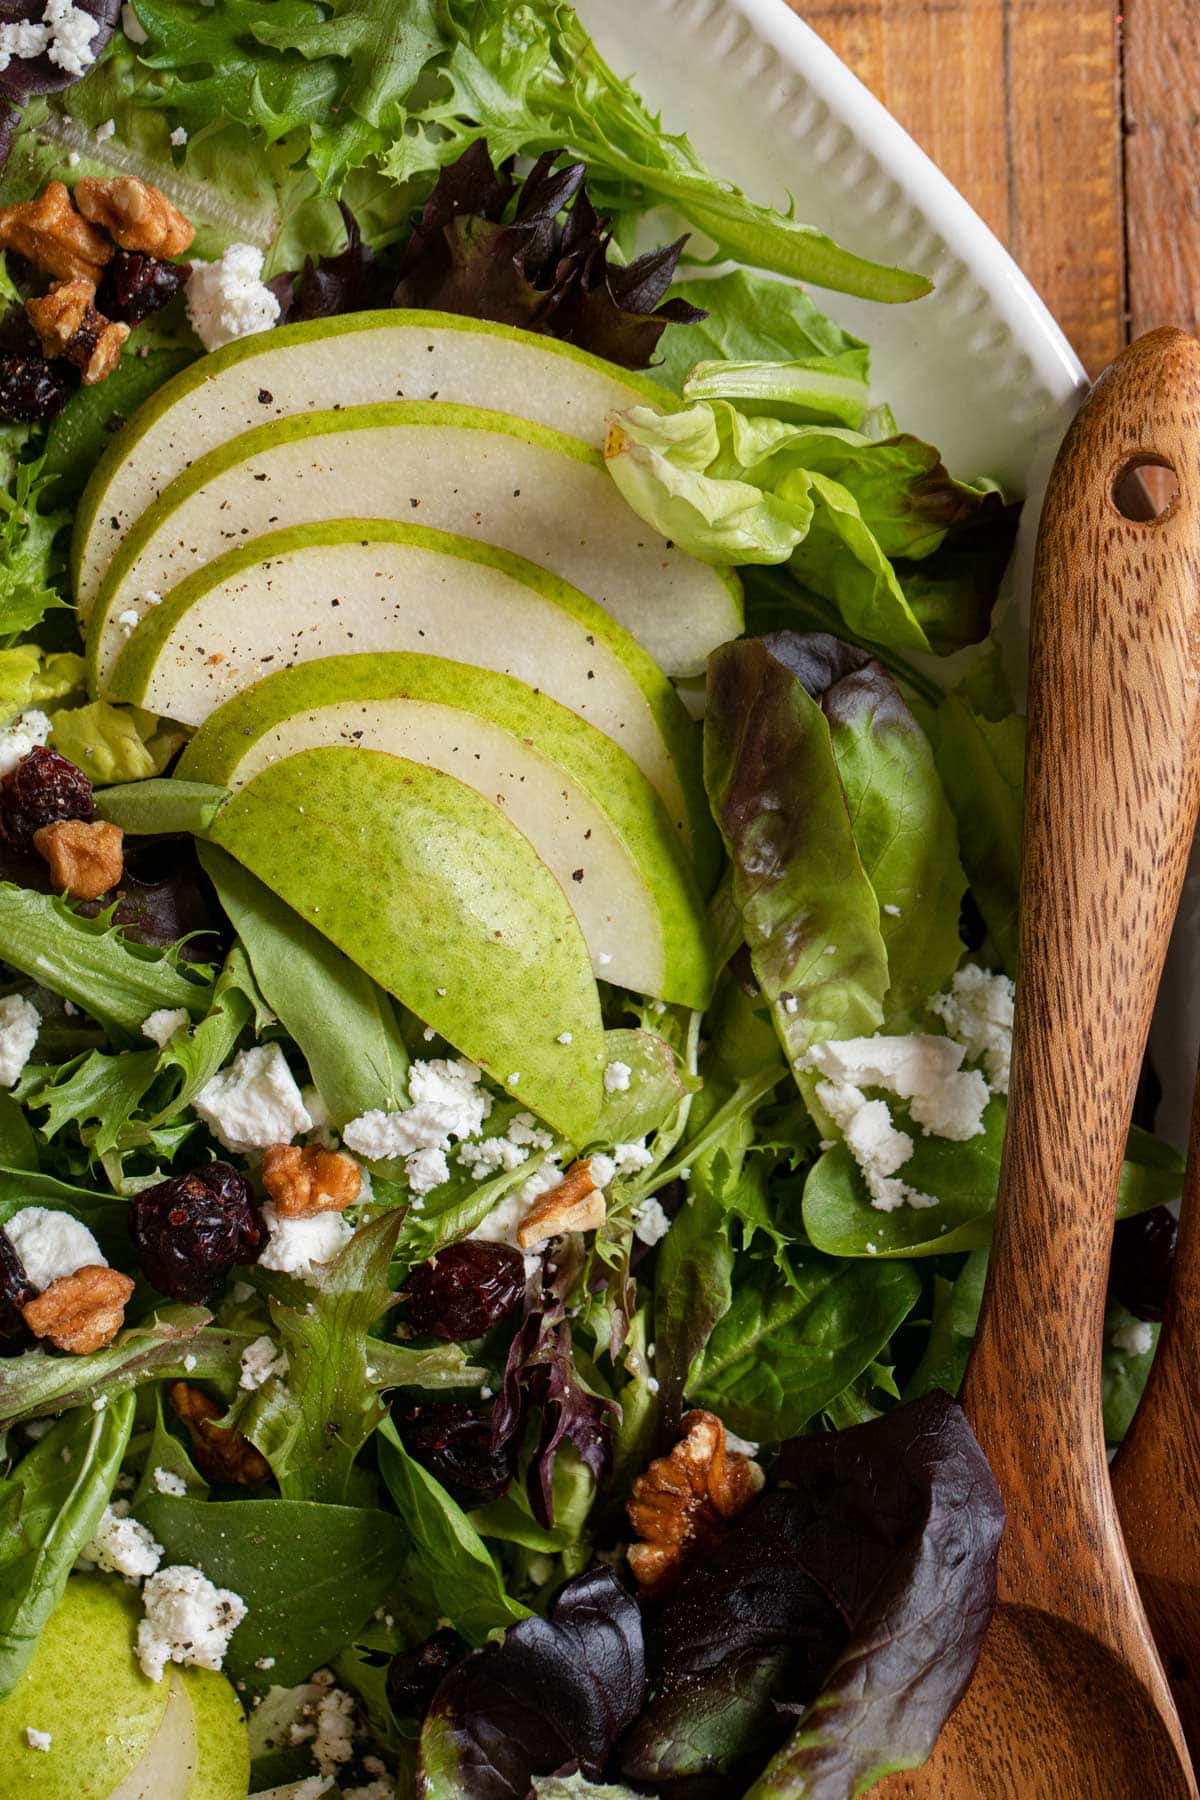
(1072, 127)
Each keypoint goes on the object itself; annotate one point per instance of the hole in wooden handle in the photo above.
(1144, 488)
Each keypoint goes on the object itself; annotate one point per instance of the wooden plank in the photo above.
(1018, 101)
(1162, 162)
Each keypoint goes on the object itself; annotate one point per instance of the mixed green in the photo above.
(496, 1174)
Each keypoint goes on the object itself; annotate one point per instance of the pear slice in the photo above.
(84, 1687)
(589, 813)
(430, 889)
(347, 361)
(367, 585)
(491, 477)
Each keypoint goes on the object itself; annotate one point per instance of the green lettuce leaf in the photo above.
(981, 761)
(50, 1506)
(311, 1575)
(343, 1021)
(33, 677)
(115, 743)
(445, 1549)
(788, 1345)
(90, 962)
(27, 534)
(754, 318)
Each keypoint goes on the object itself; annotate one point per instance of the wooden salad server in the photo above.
(1156, 1477)
(1070, 1701)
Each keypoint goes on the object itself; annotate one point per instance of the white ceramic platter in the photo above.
(979, 367)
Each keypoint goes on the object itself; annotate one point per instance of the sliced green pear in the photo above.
(588, 811)
(500, 480)
(431, 890)
(348, 361)
(84, 1687)
(367, 585)
(222, 1742)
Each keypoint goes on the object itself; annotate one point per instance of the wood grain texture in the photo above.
(1157, 1472)
(1018, 101)
(1162, 160)
(1112, 793)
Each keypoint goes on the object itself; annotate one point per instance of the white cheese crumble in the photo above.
(168, 1482)
(179, 137)
(874, 1143)
(20, 1023)
(37, 1740)
(629, 1158)
(565, 1037)
(105, 131)
(188, 1621)
(228, 299)
(978, 1011)
(1135, 1337)
(24, 733)
(52, 1244)
(131, 25)
(23, 40)
(739, 1446)
(448, 1103)
(382, 1788)
(260, 1361)
(616, 1078)
(650, 1222)
(160, 1027)
(122, 1546)
(253, 1102)
(302, 1246)
(71, 33)
(426, 1169)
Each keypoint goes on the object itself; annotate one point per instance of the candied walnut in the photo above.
(576, 1204)
(50, 234)
(69, 326)
(221, 1454)
(80, 1312)
(135, 216)
(308, 1181)
(682, 1504)
(86, 859)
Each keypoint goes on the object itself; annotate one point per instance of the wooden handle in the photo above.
(1156, 1477)
(1112, 788)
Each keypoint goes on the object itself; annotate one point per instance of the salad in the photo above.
(509, 826)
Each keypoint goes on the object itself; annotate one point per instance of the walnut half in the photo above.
(312, 1180)
(683, 1503)
(51, 235)
(222, 1455)
(69, 326)
(80, 1312)
(86, 860)
(576, 1204)
(136, 216)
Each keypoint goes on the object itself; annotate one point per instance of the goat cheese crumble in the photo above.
(160, 1027)
(20, 1023)
(616, 1078)
(253, 1102)
(123, 1546)
(27, 731)
(1135, 1337)
(650, 1222)
(167, 1482)
(52, 1244)
(302, 1246)
(187, 1621)
(260, 1361)
(229, 299)
(449, 1103)
(978, 1011)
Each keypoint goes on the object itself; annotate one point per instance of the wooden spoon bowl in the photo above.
(1070, 1701)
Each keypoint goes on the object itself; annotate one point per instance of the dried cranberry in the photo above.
(464, 1290)
(191, 1230)
(42, 788)
(454, 1442)
(32, 390)
(413, 1675)
(1142, 1255)
(134, 286)
(16, 1290)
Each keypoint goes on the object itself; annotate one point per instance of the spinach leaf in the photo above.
(956, 1307)
(856, 1597)
(810, 915)
(92, 964)
(311, 1575)
(343, 1021)
(1124, 1367)
(176, 1342)
(840, 1219)
(790, 1343)
(49, 1509)
(142, 808)
(445, 1548)
(18, 1149)
(981, 761)
(311, 1423)
(165, 1451)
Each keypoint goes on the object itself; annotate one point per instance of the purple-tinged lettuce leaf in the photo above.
(809, 913)
(558, 1691)
(850, 1605)
(347, 281)
(542, 264)
(540, 1377)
